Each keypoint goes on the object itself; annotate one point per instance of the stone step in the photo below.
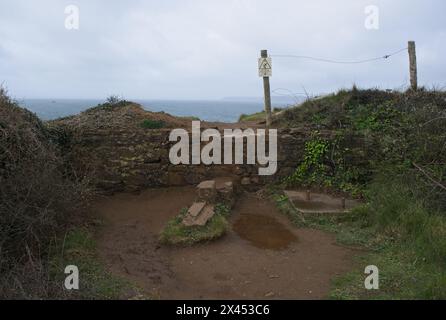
(226, 191)
(206, 191)
(206, 214)
(193, 212)
(222, 183)
(198, 214)
(312, 202)
(196, 208)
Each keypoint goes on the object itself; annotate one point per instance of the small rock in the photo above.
(269, 294)
(255, 180)
(245, 181)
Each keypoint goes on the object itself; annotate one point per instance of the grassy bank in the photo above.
(258, 116)
(78, 248)
(395, 232)
(398, 168)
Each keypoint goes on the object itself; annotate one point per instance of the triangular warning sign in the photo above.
(265, 64)
(265, 67)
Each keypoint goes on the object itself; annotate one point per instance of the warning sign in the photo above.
(265, 67)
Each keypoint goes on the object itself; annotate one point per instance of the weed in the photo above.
(152, 124)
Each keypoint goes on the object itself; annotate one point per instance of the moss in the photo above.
(175, 233)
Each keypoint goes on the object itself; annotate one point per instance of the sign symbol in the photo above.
(265, 67)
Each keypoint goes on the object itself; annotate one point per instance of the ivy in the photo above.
(313, 168)
(324, 165)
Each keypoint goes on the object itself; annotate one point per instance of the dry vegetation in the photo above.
(39, 198)
(121, 115)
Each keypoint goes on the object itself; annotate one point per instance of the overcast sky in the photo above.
(206, 49)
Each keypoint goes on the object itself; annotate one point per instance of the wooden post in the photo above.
(413, 66)
(267, 93)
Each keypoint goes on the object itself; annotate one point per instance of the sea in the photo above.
(223, 110)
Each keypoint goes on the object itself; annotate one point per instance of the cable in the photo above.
(289, 93)
(337, 61)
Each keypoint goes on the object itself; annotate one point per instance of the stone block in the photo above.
(198, 214)
(192, 213)
(245, 181)
(206, 191)
(206, 214)
(226, 193)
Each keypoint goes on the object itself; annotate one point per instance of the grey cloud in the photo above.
(208, 49)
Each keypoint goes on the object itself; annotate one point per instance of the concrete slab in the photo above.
(196, 208)
(198, 214)
(194, 211)
(208, 184)
(222, 183)
(319, 202)
(206, 214)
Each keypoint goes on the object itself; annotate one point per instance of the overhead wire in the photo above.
(386, 56)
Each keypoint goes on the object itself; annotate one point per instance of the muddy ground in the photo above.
(262, 256)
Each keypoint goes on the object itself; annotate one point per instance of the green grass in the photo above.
(175, 233)
(152, 124)
(190, 118)
(259, 116)
(95, 282)
(402, 275)
(401, 237)
(405, 272)
(283, 204)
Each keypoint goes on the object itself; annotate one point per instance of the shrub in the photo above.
(112, 102)
(152, 124)
(36, 200)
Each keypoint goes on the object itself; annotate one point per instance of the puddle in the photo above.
(263, 232)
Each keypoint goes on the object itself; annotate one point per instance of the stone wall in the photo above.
(128, 160)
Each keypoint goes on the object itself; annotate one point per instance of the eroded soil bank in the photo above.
(262, 256)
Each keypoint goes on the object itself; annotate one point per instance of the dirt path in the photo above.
(263, 256)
